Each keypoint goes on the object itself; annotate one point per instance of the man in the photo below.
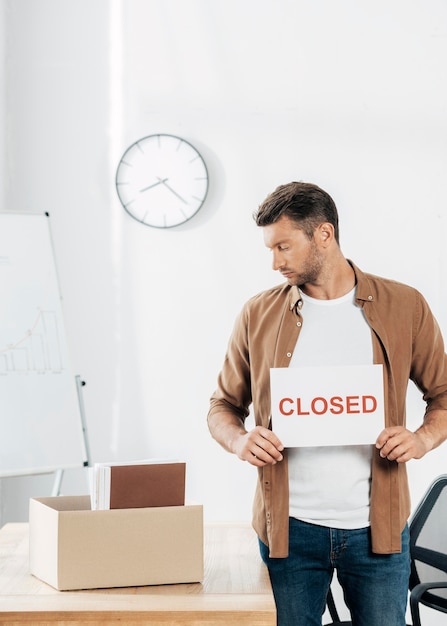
(317, 509)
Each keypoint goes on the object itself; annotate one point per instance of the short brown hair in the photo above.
(304, 203)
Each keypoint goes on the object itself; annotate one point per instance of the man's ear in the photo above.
(325, 234)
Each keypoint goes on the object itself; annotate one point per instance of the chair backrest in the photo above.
(330, 603)
(428, 541)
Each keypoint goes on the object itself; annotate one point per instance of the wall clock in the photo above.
(162, 180)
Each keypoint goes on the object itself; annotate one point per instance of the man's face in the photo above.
(297, 257)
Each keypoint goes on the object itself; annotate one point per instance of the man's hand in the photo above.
(400, 444)
(259, 447)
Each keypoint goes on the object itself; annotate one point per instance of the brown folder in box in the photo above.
(154, 484)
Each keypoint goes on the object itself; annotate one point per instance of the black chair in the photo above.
(428, 551)
(333, 612)
(428, 547)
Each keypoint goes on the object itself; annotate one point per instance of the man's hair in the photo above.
(306, 204)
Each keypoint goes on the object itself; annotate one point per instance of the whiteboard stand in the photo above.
(58, 476)
(59, 473)
(79, 385)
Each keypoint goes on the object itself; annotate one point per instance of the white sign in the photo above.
(327, 406)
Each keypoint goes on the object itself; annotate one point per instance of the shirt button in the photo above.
(298, 323)
(289, 354)
(370, 297)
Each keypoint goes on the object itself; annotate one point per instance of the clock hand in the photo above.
(160, 182)
(172, 190)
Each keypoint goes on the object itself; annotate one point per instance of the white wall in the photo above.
(349, 95)
(2, 97)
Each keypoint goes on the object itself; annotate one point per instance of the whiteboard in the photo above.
(41, 425)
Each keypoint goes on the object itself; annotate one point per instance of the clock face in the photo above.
(162, 180)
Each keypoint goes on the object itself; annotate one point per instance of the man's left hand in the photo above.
(400, 444)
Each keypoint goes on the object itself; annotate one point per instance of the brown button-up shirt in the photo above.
(406, 341)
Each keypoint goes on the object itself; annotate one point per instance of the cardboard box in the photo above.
(73, 547)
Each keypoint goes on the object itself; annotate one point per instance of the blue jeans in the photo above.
(375, 586)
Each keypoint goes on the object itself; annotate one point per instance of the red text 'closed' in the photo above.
(335, 405)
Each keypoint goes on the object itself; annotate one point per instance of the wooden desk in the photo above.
(236, 589)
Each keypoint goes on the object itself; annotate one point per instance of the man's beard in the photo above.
(313, 266)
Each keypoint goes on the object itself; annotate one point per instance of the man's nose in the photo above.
(277, 261)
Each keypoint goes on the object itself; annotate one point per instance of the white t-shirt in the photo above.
(330, 485)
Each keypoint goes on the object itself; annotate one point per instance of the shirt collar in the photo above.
(363, 291)
(294, 298)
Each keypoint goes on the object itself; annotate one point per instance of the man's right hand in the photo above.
(259, 447)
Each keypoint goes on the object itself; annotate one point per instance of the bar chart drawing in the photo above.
(38, 350)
